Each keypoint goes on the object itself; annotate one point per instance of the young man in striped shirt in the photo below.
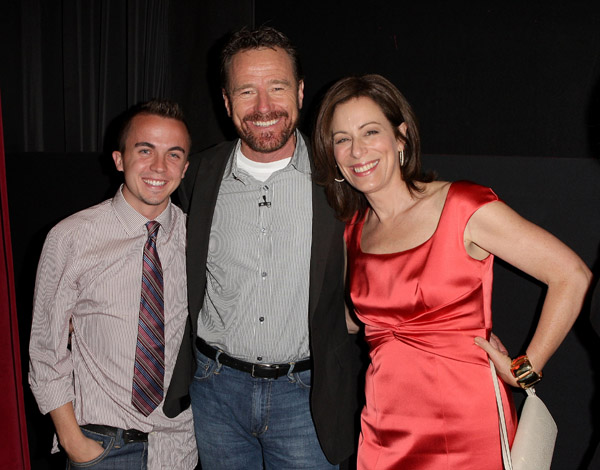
(116, 273)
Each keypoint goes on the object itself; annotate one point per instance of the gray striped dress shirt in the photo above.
(256, 302)
(90, 271)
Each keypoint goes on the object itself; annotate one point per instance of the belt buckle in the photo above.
(133, 435)
(274, 367)
(127, 437)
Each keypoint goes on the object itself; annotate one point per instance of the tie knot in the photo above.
(152, 227)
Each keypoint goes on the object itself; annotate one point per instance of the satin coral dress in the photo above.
(430, 401)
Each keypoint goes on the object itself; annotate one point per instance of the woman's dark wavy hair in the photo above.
(346, 200)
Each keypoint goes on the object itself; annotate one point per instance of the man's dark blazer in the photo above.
(595, 320)
(334, 355)
(595, 309)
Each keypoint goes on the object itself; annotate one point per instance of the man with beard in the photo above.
(275, 377)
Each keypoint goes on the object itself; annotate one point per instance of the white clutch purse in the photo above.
(533, 446)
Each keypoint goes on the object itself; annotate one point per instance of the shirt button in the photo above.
(261, 319)
(259, 358)
(265, 187)
(263, 229)
(263, 274)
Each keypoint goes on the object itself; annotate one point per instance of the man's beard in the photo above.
(266, 141)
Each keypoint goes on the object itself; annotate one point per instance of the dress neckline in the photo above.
(408, 250)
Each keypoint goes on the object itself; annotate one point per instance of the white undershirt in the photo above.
(258, 170)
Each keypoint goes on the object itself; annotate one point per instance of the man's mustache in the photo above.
(266, 116)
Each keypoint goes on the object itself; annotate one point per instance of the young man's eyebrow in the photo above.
(145, 144)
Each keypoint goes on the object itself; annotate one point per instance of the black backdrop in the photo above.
(508, 95)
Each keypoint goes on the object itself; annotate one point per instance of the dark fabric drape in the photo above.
(14, 452)
(85, 63)
(73, 66)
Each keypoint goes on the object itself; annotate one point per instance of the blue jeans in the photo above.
(116, 456)
(248, 423)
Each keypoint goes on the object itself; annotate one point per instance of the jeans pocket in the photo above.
(303, 379)
(106, 442)
(206, 367)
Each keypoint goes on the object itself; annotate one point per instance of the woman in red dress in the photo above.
(420, 256)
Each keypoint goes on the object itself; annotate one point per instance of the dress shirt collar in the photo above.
(134, 222)
(299, 161)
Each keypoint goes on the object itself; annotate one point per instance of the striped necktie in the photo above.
(149, 370)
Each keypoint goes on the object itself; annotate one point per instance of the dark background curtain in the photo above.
(486, 78)
(507, 93)
(81, 64)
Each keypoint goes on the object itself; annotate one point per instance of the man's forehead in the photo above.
(150, 122)
(255, 59)
(155, 130)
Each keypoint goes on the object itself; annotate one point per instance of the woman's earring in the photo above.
(338, 180)
(401, 157)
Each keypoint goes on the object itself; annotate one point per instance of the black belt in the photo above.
(129, 435)
(261, 371)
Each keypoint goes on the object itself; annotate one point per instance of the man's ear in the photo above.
(300, 93)
(118, 159)
(227, 101)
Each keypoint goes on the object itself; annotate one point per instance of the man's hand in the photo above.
(78, 447)
(83, 450)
